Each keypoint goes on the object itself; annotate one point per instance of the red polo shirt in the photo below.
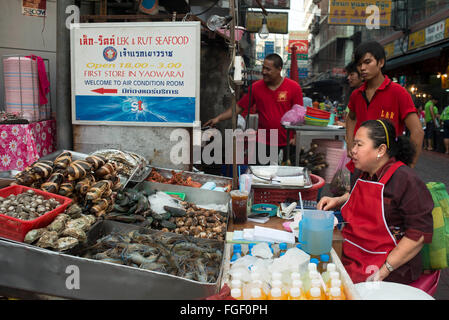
(271, 106)
(390, 101)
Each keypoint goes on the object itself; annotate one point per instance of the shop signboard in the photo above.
(136, 74)
(36, 8)
(446, 28)
(302, 48)
(302, 73)
(389, 50)
(435, 32)
(417, 39)
(348, 12)
(269, 47)
(277, 22)
(272, 4)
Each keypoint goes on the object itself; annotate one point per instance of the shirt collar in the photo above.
(380, 172)
(383, 85)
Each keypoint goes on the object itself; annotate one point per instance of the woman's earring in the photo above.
(378, 156)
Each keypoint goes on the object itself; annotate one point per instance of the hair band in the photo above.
(386, 133)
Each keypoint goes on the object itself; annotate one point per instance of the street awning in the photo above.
(421, 55)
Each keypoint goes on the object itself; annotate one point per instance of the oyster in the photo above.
(80, 223)
(59, 223)
(75, 233)
(74, 211)
(48, 239)
(33, 235)
(66, 243)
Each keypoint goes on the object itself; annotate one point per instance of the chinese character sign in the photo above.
(347, 12)
(144, 73)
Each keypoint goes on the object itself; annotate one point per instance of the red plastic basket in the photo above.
(16, 229)
(276, 196)
(318, 113)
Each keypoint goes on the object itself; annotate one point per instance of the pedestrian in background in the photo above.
(431, 114)
(445, 122)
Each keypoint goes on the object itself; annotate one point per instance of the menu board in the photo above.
(142, 74)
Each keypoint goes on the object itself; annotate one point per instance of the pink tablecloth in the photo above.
(22, 144)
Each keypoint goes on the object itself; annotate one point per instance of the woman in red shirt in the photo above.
(388, 213)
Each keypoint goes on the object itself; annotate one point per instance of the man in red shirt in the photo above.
(381, 98)
(273, 97)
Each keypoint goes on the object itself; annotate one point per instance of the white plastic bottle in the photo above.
(236, 293)
(256, 294)
(335, 294)
(331, 267)
(315, 294)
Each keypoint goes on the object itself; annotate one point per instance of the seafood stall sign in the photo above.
(136, 74)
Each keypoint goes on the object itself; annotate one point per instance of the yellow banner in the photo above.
(446, 28)
(417, 39)
(389, 50)
(277, 22)
(347, 12)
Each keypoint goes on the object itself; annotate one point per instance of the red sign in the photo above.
(302, 46)
(103, 91)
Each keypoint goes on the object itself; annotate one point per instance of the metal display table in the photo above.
(313, 130)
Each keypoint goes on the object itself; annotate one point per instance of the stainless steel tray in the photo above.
(75, 155)
(60, 274)
(199, 177)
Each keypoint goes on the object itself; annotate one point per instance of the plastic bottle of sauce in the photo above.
(296, 294)
(278, 284)
(335, 283)
(256, 294)
(236, 293)
(282, 248)
(331, 267)
(315, 294)
(316, 283)
(324, 260)
(276, 294)
(335, 294)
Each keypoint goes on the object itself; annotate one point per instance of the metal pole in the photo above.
(63, 81)
(235, 181)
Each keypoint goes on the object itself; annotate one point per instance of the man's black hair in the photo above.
(373, 47)
(352, 67)
(277, 60)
